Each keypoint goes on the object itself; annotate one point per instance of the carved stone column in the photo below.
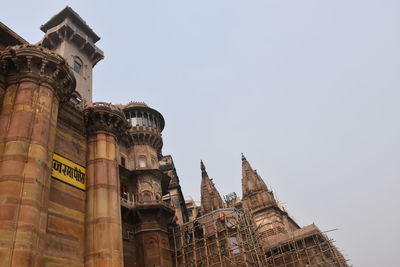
(2, 88)
(36, 81)
(103, 246)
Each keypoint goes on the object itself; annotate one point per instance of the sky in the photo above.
(308, 90)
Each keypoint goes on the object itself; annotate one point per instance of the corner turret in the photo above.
(68, 34)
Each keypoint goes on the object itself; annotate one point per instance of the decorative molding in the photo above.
(32, 61)
(66, 30)
(104, 117)
(143, 135)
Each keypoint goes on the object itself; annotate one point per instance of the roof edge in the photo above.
(68, 12)
(13, 34)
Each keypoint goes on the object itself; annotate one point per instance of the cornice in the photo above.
(36, 62)
(104, 117)
(67, 31)
(143, 135)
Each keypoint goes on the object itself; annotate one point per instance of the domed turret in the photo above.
(146, 125)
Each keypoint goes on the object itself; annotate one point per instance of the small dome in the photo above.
(146, 116)
(135, 104)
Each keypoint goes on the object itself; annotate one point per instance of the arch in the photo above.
(142, 161)
(153, 163)
(147, 196)
(78, 65)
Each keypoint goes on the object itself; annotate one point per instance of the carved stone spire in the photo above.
(210, 198)
(249, 178)
(251, 181)
(260, 182)
(261, 203)
(202, 167)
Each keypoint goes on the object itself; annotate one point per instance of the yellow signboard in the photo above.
(68, 172)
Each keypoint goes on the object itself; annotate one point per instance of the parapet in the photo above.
(104, 117)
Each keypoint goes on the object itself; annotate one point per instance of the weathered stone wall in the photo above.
(36, 82)
(145, 151)
(103, 231)
(83, 79)
(66, 212)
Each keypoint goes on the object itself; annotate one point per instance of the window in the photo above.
(146, 196)
(75, 98)
(142, 162)
(124, 191)
(134, 121)
(153, 163)
(123, 162)
(145, 120)
(77, 65)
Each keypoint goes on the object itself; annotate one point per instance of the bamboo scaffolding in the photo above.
(237, 241)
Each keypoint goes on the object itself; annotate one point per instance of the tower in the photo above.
(105, 124)
(145, 216)
(210, 197)
(270, 218)
(68, 34)
(35, 81)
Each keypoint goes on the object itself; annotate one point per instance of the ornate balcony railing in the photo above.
(131, 204)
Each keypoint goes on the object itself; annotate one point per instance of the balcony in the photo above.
(132, 204)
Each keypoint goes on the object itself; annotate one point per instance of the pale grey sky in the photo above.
(308, 90)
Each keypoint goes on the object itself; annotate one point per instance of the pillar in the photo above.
(103, 244)
(35, 81)
(2, 88)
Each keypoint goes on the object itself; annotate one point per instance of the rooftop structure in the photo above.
(69, 35)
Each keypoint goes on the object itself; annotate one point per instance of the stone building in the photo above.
(87, 184)
(256, 231)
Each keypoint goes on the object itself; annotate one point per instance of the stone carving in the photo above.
(104, 117)
(32, 61)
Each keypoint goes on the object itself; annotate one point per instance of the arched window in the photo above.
(145, 120)
(153, 163)
(140, 119)
(155, 125)
(134, 120)
(142, 162)
(78, 64)
(146, 196)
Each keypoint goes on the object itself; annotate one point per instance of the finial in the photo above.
(202, 167)
(243, 157)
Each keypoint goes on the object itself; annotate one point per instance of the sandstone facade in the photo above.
(87, 184)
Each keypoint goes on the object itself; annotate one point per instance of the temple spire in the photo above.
(251, 181)
(202, 167)
(261, 203)
(210, 197)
